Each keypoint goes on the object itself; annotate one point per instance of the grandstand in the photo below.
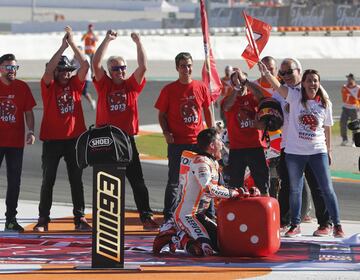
(179, 16)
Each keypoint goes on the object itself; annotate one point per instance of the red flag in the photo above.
(255, 46)
(209, 73)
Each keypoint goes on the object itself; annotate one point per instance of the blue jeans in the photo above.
(14, 160)
(319, 164)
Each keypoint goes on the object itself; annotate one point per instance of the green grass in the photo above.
(335, 129)
(152, 144)
(155, 145)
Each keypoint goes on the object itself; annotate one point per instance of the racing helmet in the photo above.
(270, 113)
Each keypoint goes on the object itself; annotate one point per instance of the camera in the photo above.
(355, 125)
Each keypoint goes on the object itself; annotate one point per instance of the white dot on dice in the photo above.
(230, 216)
(254, 239)
(243, 228)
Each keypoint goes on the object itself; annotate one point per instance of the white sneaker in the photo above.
(344, 143)
(353, 145)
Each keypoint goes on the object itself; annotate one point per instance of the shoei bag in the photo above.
(103, 145)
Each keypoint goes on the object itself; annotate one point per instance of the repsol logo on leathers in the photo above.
(100, 142)
(197, 230)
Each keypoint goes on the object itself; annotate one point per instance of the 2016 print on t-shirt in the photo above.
(65, 102)
(117, 101)
(7, 110)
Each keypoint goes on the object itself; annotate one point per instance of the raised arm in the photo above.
(283, 91)
(239, 81)
(97, 68)
(79, 56)
(52, 64)
(141, 58)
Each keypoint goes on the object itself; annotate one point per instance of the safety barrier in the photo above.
(282, 30)
(326, 29)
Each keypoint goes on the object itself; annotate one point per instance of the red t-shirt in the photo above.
(63, 117)
(183, 105)
(117, 103)
(240, 122)
(15, 99)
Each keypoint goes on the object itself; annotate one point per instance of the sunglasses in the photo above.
(117, 68)
(288, 72)
(10, 67)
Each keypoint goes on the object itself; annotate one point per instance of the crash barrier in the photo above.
(108, 150)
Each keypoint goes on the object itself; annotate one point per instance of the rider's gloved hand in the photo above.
(243, 192)
(254, 191)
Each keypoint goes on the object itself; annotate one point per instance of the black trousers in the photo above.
(254, 158)
(52, 152)
(14, 159)
(135, 176)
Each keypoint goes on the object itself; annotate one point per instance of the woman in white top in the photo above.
(308, 142)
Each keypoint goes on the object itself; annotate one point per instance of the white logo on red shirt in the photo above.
(7, 111)
(189, 112)
(246, 116)
(117, 101)
(65, 102)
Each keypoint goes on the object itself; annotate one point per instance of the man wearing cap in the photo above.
(351, 100)
(117, 105)
(90, 39)
(63, 121)
(16, 104)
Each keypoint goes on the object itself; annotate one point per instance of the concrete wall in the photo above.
(42, 46)
(332, 56)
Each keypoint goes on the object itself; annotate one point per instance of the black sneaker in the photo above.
(12, 225)
(42, 224)
(149, 224)
(81, 224)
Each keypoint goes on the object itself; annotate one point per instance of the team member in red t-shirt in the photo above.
(62, 122)
(117, 105)
(246, 147)
(16, 102)
(180, 106)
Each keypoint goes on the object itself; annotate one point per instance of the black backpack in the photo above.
(103, 145)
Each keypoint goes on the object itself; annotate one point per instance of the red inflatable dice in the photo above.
(249, 226)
